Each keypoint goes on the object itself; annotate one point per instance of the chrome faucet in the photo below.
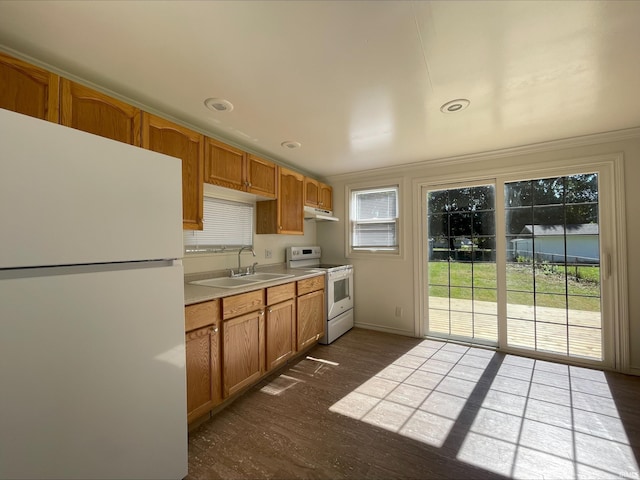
(239, 272)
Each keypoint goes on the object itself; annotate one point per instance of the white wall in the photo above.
(383, 285)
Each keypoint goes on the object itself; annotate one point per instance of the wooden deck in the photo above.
(554, 330)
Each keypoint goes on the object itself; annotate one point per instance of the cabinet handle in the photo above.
(270, 311)
(214, 329)
(261, 312)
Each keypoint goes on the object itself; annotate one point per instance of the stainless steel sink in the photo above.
(237, 282)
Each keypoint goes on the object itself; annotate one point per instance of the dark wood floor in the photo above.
(379, 406)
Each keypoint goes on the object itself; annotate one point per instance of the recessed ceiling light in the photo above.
(455, 105)
(291, 144)
(218, 104)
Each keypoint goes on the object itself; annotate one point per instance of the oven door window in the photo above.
(340, 290)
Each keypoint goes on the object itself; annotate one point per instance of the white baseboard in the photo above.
(396, 331)
(634, 371)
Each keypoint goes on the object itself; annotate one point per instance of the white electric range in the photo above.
(338, 288)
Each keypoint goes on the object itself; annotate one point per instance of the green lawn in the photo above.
(552, 286)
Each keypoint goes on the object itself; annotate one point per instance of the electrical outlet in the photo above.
(267, 253)
(398, 311)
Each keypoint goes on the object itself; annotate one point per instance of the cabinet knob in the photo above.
(261, 312)
(214, 329)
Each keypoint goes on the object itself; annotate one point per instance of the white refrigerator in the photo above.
(92, 353)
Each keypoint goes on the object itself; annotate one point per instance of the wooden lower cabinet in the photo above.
(280, 333)
(202, 341)
(243, 351)
(280, 330)
(311, 318)
(233, 342)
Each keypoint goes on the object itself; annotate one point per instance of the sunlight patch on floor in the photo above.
(515, 416)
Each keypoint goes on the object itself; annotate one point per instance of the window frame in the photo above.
(363, 252)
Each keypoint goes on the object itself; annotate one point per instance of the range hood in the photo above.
(319, 215)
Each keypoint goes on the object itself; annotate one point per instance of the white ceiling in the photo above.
(359, 84)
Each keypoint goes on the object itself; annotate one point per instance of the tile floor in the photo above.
(524, 413)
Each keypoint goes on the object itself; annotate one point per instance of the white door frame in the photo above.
(613, 247)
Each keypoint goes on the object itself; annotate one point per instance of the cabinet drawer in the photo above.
(201, 314)
(243, 303)
(280, 293)
(310, 284)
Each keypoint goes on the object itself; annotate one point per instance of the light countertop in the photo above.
(199, 293)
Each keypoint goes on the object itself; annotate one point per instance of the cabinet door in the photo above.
(311, 192)
(243, 351)
(311, 318)
(325, 197)
(97, 113)
(262, 176)
(290, 202)
(224, 165)
(203, 370)
(280, 333)
(163, 136)
(27, 89)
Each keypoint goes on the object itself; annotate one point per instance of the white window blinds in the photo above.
(227, 224)
(374, 219)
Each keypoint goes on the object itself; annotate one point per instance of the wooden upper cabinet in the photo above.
(311, 192)
(290, 196)
(166, 137)
(326, 197)
(224, 165)
(230, 167)
(262, 176)
(285, 214)
(94, 112)
(317, 194)
(27, 89)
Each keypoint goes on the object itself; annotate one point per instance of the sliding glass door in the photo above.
(462, 286)
(553, 265)
(516, 263)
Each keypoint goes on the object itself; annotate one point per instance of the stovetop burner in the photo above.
(328, 265)
(309, 258)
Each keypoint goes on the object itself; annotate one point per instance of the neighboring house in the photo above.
(547, 243)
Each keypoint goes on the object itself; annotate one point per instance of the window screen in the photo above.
(374, 219)
(227, 224)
